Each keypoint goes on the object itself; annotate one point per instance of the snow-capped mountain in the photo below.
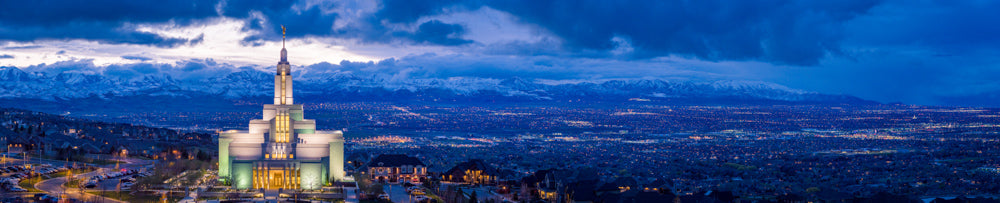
(17, 84)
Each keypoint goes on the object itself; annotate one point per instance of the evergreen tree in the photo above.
(473, 198)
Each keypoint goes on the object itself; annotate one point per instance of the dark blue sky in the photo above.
(922, 52)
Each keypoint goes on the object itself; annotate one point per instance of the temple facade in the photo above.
(282, 149)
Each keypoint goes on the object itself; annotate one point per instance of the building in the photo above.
(283, 149)
(356, 161)
(396, 167)
(474, 171)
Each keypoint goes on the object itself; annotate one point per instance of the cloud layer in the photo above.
(887, 50)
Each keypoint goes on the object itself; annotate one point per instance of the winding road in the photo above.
(54, 186)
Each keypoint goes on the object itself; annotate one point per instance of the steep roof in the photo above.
(659, 183)
(394, 160)
(626, 181)
(536, 177)
(474, 164)
(358, 156)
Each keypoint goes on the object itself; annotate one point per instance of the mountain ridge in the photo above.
(16, 83)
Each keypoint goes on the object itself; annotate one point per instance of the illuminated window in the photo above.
(282, 87)
(279, 151)
(282, 127)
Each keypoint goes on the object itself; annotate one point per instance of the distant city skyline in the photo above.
(917, 52)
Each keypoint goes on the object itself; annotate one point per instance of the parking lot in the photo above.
(13, 175)
(122, 180)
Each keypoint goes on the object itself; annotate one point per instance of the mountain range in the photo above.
(345, 86)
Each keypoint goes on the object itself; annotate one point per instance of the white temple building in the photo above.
(281, 150)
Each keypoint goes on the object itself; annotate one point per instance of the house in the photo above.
(658, 185)
(474, 171)
(543, 184)
(396, 167)
(356, 161)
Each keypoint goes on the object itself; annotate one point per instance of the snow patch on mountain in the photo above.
(249, 83)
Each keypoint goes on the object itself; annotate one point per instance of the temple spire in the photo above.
(283, 77)
(284, 54)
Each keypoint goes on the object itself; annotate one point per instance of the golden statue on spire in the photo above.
(282, 31)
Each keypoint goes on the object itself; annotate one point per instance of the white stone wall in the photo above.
(311, 151)
(260, 126)
(245, 151)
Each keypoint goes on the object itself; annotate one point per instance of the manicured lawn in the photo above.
(102, 162)
(29, 184)
(74, 183)
(138, 197)
(330, 200)
(435, 197)
(66, 172)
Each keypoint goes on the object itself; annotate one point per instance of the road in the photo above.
(397, 193)
(54, 186)
(350, 196)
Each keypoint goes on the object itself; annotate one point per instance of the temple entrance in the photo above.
(277, 179)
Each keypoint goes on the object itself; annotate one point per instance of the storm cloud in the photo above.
(925, 52)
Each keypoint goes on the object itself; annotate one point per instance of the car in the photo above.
(421, 198)
(126, 186)
(49, 198)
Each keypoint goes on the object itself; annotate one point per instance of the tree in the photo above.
(473, 198)
(433, 184)
(812, 189)
(201, 155)
(375, 189)
(458, 195)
